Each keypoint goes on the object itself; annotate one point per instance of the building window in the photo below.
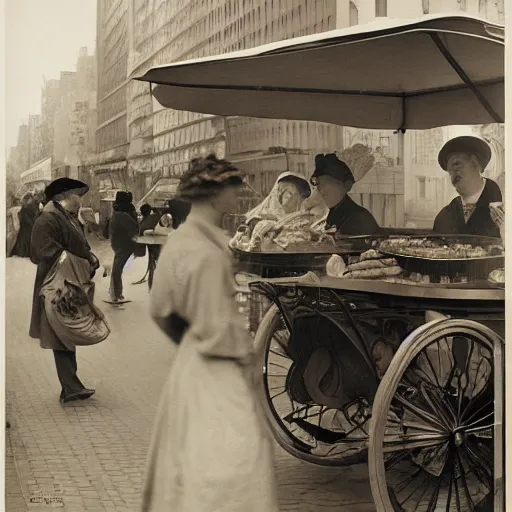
(353, 15)
(422, 189)
(384, 143)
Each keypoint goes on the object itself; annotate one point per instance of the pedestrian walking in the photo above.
(57, 229)
(210, 450)
(27, 216)
(149, 222)
(123, 230)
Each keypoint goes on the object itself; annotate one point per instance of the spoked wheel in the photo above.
(308, 431)
(436, 440)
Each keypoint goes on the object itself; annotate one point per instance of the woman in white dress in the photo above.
(210, 451)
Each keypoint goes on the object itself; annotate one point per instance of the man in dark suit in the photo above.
(465, 159)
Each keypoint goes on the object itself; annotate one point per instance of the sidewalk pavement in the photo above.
(90, 456)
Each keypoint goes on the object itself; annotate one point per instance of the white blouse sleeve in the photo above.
(211, 309)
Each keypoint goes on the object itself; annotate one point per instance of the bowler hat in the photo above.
(465, 144)
(332, 166)
(61, 185)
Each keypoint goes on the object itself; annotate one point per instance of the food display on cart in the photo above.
(441, 260)
(290, 219)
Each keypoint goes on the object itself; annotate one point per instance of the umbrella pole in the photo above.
(401, 161)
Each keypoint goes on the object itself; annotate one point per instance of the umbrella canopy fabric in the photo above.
(388, 74)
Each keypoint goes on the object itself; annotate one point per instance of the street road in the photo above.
(90, 456)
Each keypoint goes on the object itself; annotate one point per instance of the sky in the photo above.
(43, 38)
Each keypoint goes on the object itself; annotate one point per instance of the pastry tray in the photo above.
(424, 258)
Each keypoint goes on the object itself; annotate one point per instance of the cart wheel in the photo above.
(436, 440)
(287, 418)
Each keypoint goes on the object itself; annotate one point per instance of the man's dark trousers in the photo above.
(120, 259)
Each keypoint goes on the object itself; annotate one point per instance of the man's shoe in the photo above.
(86, 393)
(83, 394)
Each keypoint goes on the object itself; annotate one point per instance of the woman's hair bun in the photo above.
(205, 175)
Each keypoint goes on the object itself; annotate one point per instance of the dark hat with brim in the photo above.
(123, 197)
(61, 185)
(331, 165)
(465, 144)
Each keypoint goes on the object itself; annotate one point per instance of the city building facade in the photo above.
(35, 139)
(50, 100)
(23, 149)
(62, 120)
(163, 141)
(107, 169)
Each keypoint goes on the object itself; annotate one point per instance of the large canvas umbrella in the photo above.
(388, 74)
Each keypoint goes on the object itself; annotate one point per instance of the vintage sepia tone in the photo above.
(341, 166)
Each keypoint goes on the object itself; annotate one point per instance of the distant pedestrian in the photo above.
(133, 210)
(148, 224)
(57, 229)
(27, 216)
(150, 218)
(123, 229)
(210, 451)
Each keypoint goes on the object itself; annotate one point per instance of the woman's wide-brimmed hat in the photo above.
(465, 144)
(331, 165)
(61, 185)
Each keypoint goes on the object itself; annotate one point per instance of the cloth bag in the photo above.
(68, 294)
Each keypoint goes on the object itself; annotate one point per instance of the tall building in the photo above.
(62, 126)
(86, 79)
(74, 140)
(50, 100)
(23, 149)
(354, 12)
(163, 141)
(35, 139)
(108, 169)
(83, 140)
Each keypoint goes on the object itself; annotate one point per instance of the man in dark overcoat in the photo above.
(465, 159)
(58, 229)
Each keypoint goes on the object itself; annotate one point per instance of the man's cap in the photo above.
(331, 165)
(61, 185)
(465, 144)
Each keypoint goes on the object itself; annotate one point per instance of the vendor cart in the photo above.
(405, 373)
